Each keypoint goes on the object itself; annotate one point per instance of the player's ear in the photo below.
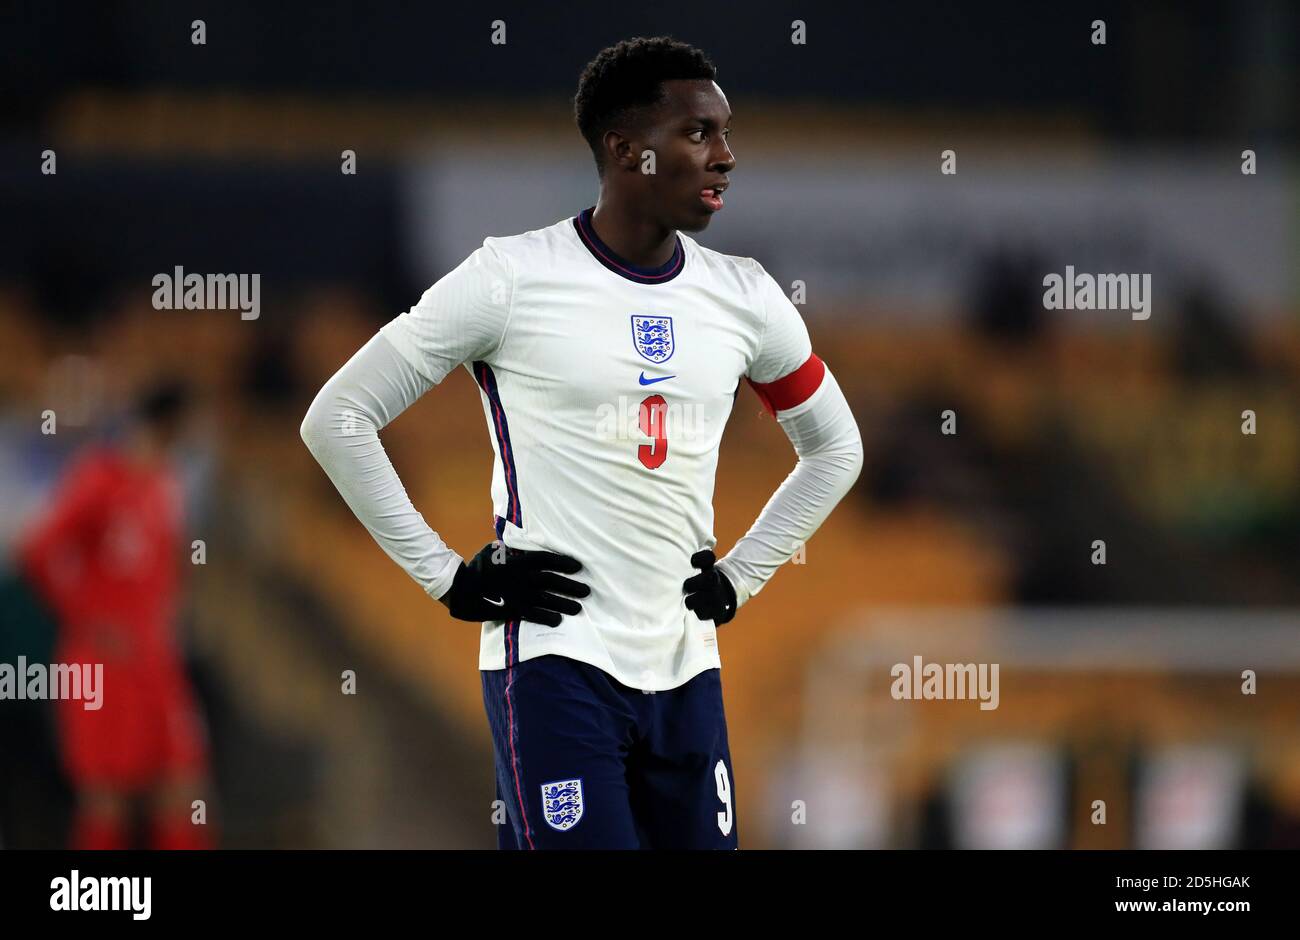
(619, 151)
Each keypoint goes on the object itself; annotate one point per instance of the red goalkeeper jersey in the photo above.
(105, 555)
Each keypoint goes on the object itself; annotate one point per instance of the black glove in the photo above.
(511, 584)
(709, 593)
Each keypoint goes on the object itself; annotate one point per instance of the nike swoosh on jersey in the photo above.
(662, 378)
(500, 603)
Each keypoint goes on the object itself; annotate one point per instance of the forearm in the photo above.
(829, 447)
(33, 559)
(341, 429)
(61, 529)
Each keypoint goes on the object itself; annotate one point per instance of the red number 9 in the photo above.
(654, 423)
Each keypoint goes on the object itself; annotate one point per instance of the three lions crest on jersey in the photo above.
(653, 337)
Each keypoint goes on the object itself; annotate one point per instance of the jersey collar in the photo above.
(605, 255)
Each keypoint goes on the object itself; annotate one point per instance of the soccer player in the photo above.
(106, 557)
(608, 349)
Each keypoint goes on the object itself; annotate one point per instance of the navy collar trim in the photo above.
(605, 255)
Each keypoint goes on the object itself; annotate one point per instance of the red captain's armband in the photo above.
(793, 389)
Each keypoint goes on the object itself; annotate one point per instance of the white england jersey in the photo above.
(606, 388)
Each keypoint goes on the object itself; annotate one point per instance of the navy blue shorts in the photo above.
(583, 761)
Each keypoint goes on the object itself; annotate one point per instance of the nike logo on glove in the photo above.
(662, 378)
(500, 603)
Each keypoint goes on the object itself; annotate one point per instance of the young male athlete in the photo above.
(107, 558)
(559, 327)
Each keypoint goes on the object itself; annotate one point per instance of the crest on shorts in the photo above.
(653, 337)
(562, 803)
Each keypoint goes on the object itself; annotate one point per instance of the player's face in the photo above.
(688, 134)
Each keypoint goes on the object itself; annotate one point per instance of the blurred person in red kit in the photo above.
(106, 557)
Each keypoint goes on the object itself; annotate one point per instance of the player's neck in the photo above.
(142, 452)
(631, 235)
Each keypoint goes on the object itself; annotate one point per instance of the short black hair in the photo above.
(629, 75)
(163, 402)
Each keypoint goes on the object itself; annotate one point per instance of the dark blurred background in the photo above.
(924, 293)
